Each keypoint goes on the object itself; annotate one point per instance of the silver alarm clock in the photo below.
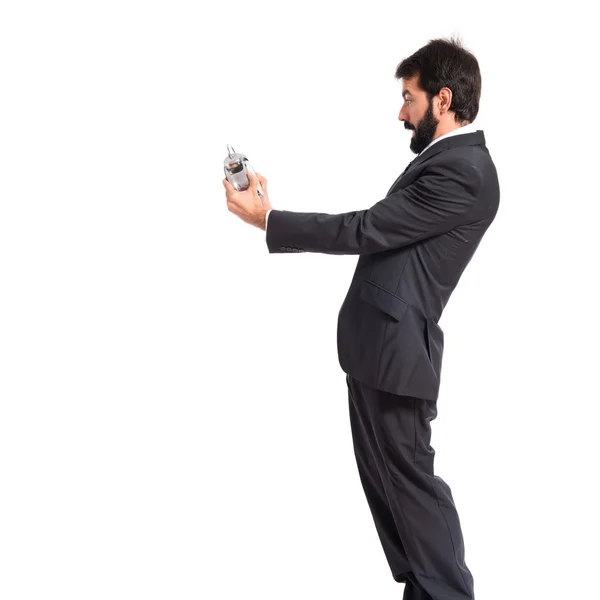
(236, 167)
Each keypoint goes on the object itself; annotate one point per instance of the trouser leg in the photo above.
(365, 452)
(413, 509)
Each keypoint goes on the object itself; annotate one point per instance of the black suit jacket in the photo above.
(413, 247)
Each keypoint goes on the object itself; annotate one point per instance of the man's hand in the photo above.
(248, 205)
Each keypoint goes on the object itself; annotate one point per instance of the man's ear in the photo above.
(444, 100)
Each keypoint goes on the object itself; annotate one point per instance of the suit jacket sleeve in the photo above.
(443, 197)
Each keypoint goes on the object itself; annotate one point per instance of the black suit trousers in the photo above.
(413, 509)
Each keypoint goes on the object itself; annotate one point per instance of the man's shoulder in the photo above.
(461, 158)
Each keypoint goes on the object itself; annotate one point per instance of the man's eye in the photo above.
(409, 102)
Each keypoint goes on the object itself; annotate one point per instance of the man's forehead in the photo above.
(409, 86)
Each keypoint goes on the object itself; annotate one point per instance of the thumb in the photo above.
(253, 180)
(263, 181)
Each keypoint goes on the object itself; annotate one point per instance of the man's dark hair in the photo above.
(445, 63)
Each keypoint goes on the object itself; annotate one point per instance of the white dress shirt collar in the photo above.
(470, 128)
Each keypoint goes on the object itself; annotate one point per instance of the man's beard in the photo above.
(425, 131)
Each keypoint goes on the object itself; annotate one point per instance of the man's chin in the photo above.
(418, 145)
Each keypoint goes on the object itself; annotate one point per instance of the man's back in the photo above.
(388, 336)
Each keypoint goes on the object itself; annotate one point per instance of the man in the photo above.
(412, 248)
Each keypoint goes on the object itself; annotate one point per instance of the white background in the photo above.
(173, 419)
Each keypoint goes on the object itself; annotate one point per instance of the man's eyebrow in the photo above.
(405, 92)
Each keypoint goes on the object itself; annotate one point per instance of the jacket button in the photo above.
(282, 248)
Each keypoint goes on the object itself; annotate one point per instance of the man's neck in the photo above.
(448, 128)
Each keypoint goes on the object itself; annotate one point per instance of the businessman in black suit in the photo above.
(412, 248)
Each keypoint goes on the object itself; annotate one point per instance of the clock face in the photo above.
(235, 167)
